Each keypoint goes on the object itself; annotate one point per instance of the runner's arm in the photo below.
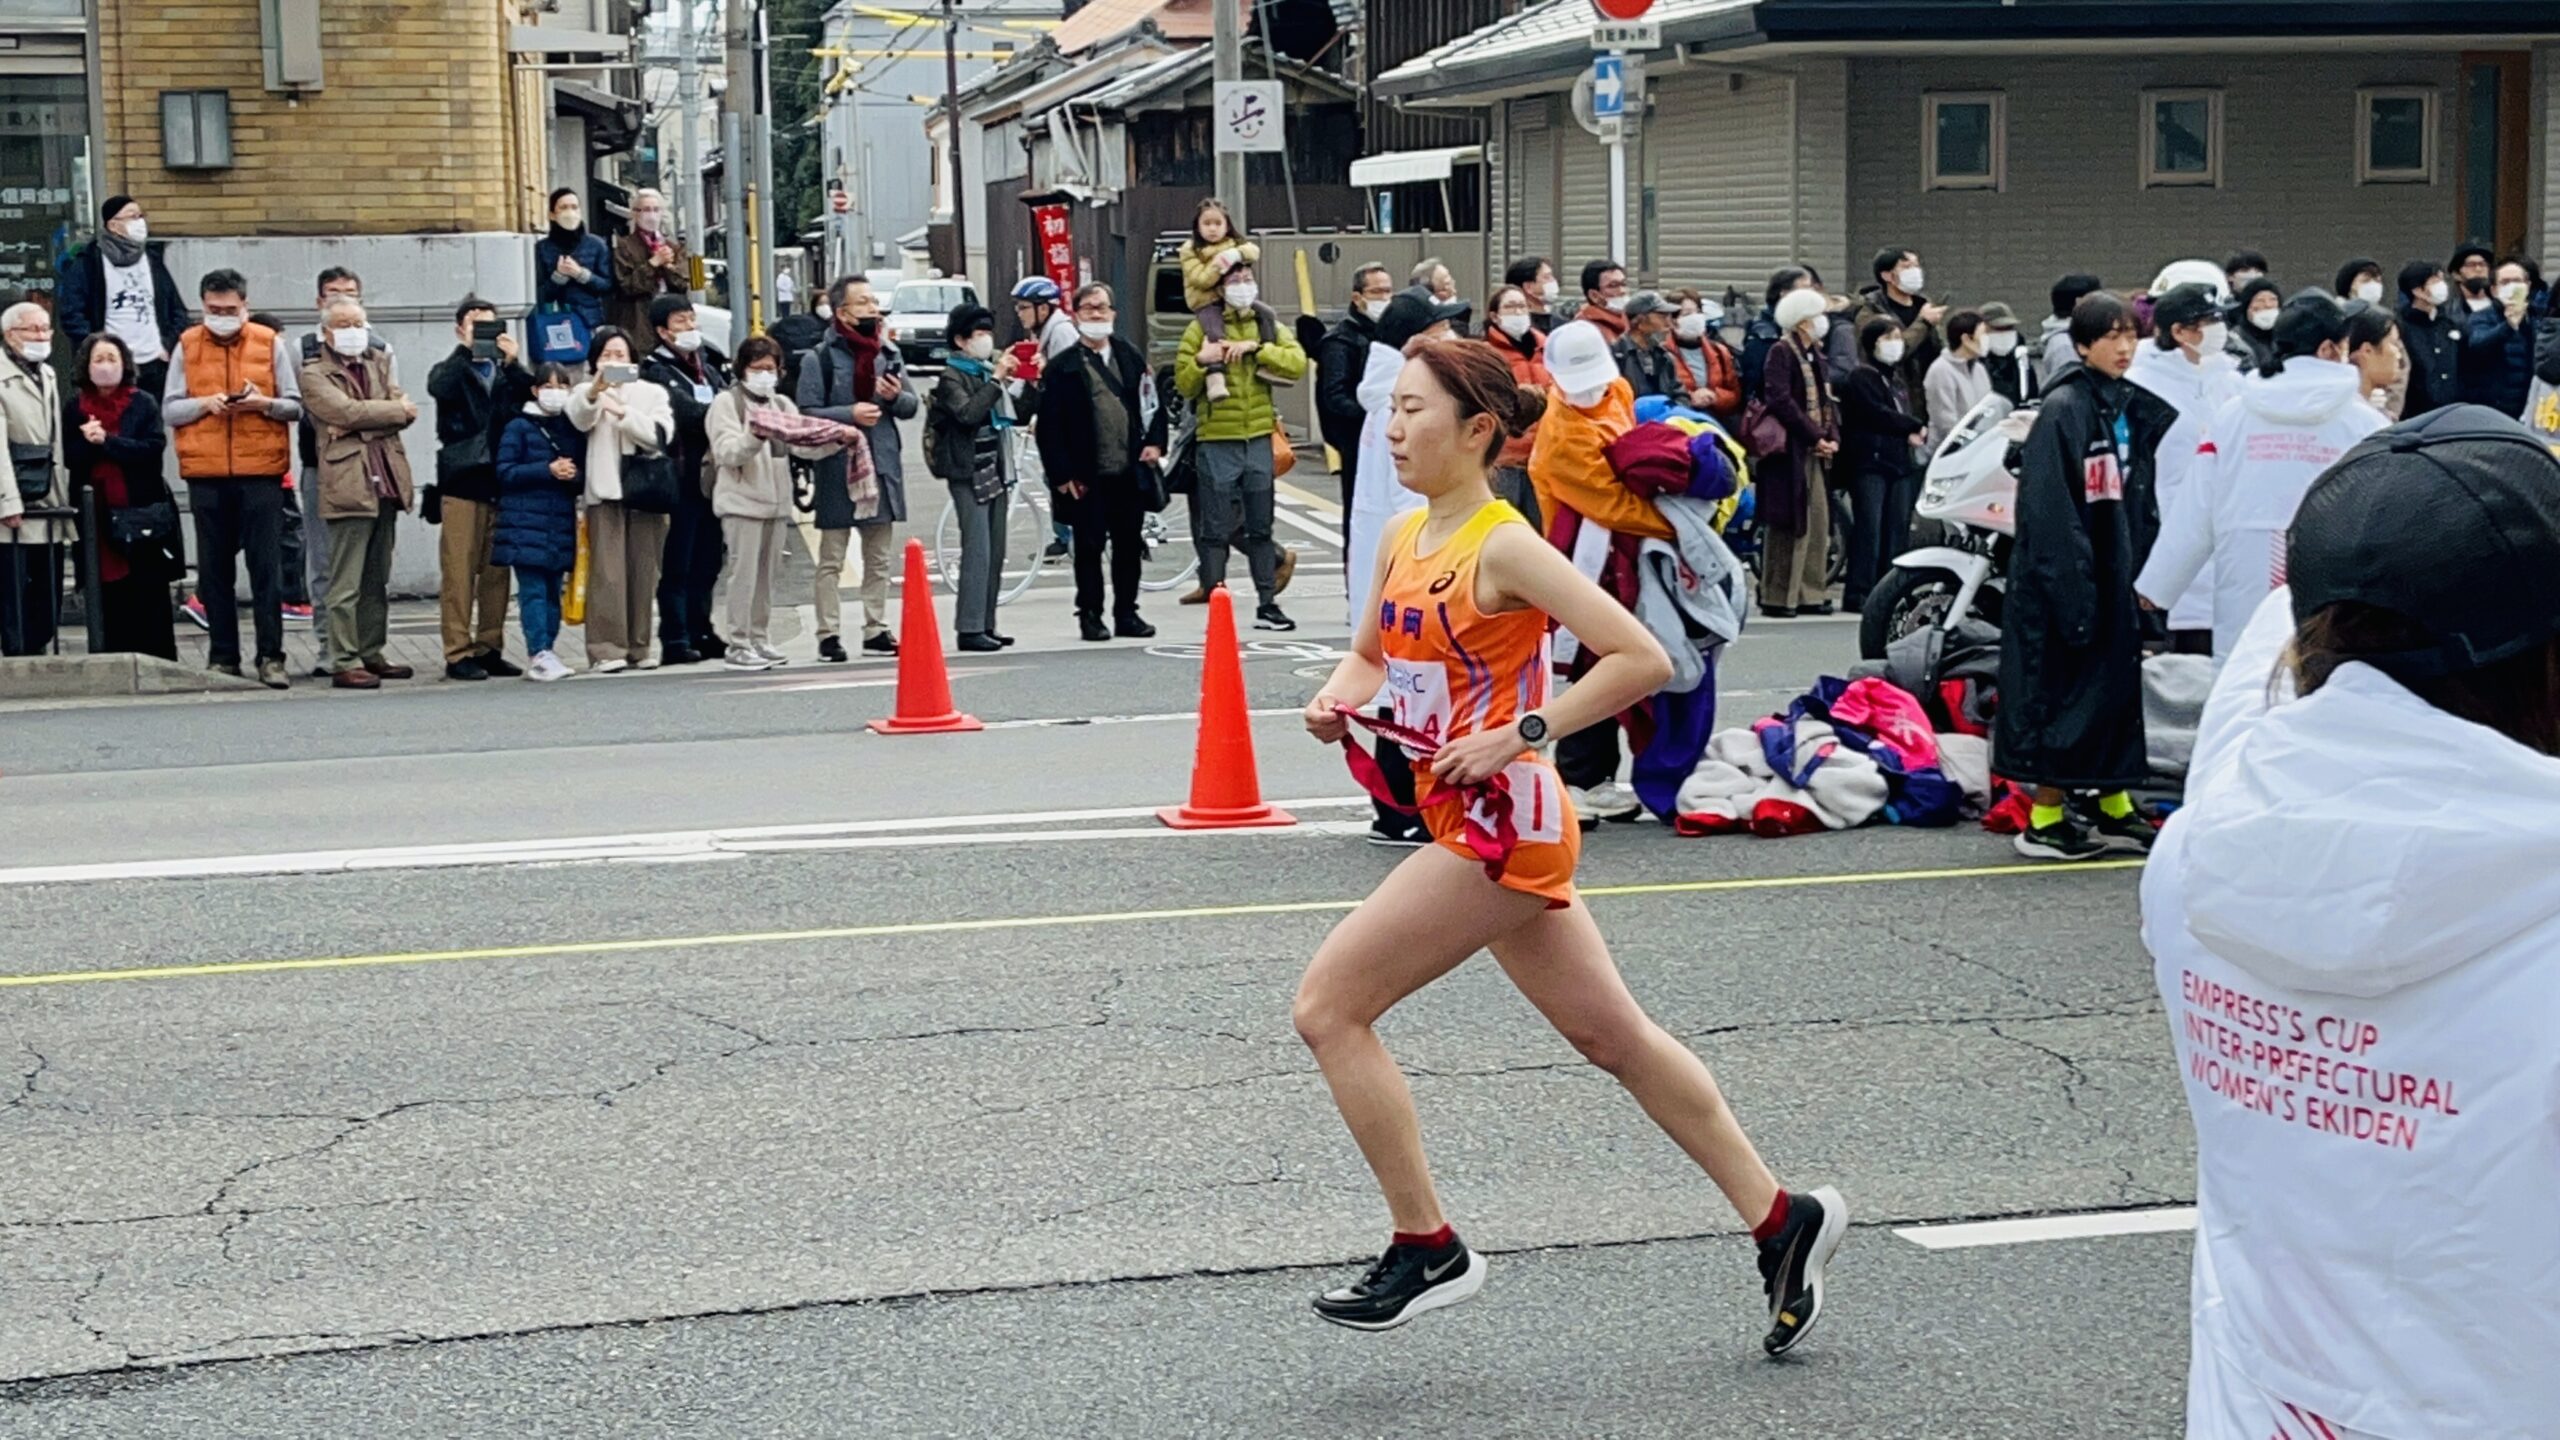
(1356, 680)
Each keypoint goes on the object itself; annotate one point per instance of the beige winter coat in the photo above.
(34, 409)
(751, 476)
(646, 423)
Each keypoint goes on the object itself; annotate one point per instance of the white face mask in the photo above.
(568, 219)
(37, 351)
(1617, 303)
(107, 376)
(1094, 329)
(2240, 278)
(1821, 328)
(2513, 291)
(1514, 326)
(350, 340)
(1242, 294)
(1539, 291)
(1374, 309)
(2438, 292)
(225, 326)
(1911, 278)
(1585, 399)
(2369, 291)
(2263, 319)
(688, 340)
(2003, 342)
(137, 229)
(2216, 335)
(1691, 327)
(552, 401)
(2481, 302)
(1889, 353)
(979, 346)
(760, 383)
(653, 221)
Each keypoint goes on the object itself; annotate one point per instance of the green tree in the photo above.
(799, 182)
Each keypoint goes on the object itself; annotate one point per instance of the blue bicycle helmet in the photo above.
(1039, 290)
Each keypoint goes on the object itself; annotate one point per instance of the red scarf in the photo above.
(1492, 843)
(107, 407)
(866, 360)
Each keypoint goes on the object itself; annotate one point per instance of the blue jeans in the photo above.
(538, 605)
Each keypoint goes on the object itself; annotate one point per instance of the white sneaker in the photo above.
(648, 661)
(546, 667)
(610, 667)
(768, 652)
(741, 657)
(1613, 801)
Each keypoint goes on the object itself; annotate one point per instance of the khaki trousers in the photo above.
(360, 587)
(755, 557)
(1795, 565)
(879, 551)
(471, 583)
(623, 547)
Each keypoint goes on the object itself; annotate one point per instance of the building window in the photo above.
(2397, 130)
(195, 129)
(1966, 144)
(2182, 137)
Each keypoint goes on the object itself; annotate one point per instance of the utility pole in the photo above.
(1228, 64)
(688, 155)
(737, 126)
(766, 237)
(951, 122)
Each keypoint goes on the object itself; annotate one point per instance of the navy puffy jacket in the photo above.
(537, 513)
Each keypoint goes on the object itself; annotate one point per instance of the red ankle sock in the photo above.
(1777, 1221)
(1436, 1240)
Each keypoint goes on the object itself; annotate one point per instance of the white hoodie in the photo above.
(2195, 391)
(1377, 501)
(2362, 898)
(2260, 453)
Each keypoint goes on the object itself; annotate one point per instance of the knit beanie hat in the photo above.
(1797, 306)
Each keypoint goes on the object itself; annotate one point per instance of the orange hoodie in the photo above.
(1569, 465)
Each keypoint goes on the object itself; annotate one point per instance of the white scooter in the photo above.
(1972, 491)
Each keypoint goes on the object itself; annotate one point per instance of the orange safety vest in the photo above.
(237, 444)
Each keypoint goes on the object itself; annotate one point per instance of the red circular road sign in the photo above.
(1622, 9)
(840, 202)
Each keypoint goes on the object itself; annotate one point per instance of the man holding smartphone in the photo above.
(476, 390)
(233, 397)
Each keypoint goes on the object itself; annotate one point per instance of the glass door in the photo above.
(45, 203)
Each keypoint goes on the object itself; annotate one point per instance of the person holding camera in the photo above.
(475, 390)
(629, 424)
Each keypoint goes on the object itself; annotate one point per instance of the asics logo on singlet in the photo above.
(1447, 579)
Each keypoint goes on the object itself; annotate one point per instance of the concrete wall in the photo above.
(2075, 200)
(411, 284)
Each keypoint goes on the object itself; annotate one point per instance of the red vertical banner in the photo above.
(1057, 246)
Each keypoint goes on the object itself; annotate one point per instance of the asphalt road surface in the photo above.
(720, 1068)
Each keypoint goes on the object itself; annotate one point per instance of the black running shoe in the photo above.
(2133, 834)
(1407, 1281)
(1399, 834)
(1792, 1262)
(2065, 839)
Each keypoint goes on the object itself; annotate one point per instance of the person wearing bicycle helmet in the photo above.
(1041, 307)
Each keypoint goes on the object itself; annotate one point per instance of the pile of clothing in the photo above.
(1845, 753)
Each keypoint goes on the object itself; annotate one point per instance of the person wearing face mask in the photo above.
(1793, 483)
(537, 537)
(2186, 366)
(1342, 357)
(1432, 274)
(629, 426)
(1897, 295)
(1878, 437)
(1763, 332)
(964, 439)
(572, 266)
(2359, 279)
(477, 389)
(2054, 351)
(2268, 444)
(31, 569)
(1605, 297)
(693, 373)
(1644, 354)
(1232, 506)
(2432, 338)
(1959, 379)
(232, 398)
(1514, 333)
(2253, 324)
(112, 446)
(2503, 336)
(856, 377)
(306, 546)
(1710, 376)
(118, 285)
(2010, 363)
(649, 260)
(2243, 267)
(359, 410)
(755, 432)
(1102, 430)
(1537, 280)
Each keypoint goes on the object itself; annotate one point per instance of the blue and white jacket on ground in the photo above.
(2260, 454)
(2354, 924)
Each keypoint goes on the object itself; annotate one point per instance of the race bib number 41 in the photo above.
(2101, 478)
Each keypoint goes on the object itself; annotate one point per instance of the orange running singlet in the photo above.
(1454, 670)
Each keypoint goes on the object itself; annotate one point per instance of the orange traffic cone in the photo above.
(924, 688)
(1225, 792)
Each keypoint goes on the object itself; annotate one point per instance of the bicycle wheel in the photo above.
(1026, 534)
(1170, 560)
(946, 547)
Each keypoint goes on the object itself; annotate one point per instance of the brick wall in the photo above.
(410, 135)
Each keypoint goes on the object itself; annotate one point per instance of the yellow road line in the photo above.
(1011, 922)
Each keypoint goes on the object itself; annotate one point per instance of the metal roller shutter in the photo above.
(1725, 188)
(1533, 170)
(1585, 231)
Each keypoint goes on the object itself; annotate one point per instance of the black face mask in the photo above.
(867, 325)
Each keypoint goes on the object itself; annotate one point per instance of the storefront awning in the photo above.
(1397, 167)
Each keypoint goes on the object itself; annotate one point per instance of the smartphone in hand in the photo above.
(621, 374)
(484, 338)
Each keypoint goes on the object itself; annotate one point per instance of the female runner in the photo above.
(1466, 592)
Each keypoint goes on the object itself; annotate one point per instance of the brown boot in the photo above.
(1287, 567)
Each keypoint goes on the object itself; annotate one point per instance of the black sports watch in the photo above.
(1533, 728)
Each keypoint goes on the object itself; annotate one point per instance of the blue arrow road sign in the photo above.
(1608, 87)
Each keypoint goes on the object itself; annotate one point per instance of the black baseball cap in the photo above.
(2452, 520)
(2190, 304)
(1414, 310)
